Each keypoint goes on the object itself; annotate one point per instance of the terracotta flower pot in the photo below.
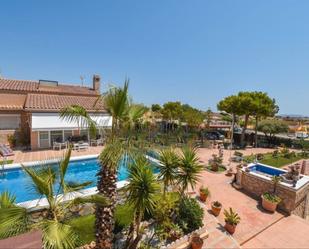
(215, 210)
(268, 205)
(203, 197)
(196, 242)
(230, 228)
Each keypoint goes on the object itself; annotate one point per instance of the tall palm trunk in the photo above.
(243, 133)
(256, 127)
(232, 131)
(105, 215)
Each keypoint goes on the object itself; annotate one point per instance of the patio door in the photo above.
(56, 136)
(44, 139)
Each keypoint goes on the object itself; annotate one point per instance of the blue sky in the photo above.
(195, 51)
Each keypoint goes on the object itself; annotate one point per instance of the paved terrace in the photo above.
(258, 228)
(39, 155)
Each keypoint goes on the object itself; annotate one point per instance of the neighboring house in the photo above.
(217, 122)
(30, 110)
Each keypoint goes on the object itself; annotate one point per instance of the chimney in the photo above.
(96, 82)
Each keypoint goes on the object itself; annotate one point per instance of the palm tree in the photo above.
(117, 103)
(142, 191)
(190, 169)
(276, 180)
(56, 233)
(168, 167)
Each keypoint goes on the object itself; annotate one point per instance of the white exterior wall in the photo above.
(52, 121)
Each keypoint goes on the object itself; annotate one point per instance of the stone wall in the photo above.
(293, 202)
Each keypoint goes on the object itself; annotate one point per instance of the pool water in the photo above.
(266, 170)
(17, 182)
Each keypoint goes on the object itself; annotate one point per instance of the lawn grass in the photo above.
(280, 161)
(84, 226)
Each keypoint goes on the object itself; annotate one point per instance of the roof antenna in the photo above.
(0, 73)
(82, 79)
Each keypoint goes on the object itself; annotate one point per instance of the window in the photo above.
(44, 139)
(67, 134)
(56, 136)
(9, 121)
(84, 134)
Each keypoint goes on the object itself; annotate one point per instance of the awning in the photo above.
(52, 121)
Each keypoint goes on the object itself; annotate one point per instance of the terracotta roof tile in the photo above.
(47, 102)
(29, 86)
(12, 101)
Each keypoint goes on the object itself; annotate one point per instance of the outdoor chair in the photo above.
(6, 150)
(60, 145)
(81, 145)
(96, 142)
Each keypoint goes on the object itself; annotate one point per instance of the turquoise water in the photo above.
(266, 170)
(19, 183)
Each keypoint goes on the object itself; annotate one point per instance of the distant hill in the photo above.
(292, 116)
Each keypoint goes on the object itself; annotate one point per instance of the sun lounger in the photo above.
(5, 150)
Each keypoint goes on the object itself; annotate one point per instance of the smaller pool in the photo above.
(258, 168)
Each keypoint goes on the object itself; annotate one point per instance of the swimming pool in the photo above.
(267, 170)
(19, 183)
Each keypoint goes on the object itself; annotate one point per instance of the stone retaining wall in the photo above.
(293, 202)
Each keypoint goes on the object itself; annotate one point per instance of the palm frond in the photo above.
(168, 167)
(57, 235)
(142, 187)
(74, 186)
(190, 168)
(79, 115)
(14, 220)
(43, 179)
(7, 199)
(63, 166)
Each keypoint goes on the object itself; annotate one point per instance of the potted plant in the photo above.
(216, 208)
(270, 201)
(204, 193)
(232, 219)
(196, 241)
(11, 140)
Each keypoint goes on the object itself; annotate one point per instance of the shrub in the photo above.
(259, 156)
(166, 207)
(285, 152)
(231, 217)
(205, 191)
(190, 215)
(217, 204)
(275, 154)
(272, 197)
(123, 217)
(215, 162)
(12, 140)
